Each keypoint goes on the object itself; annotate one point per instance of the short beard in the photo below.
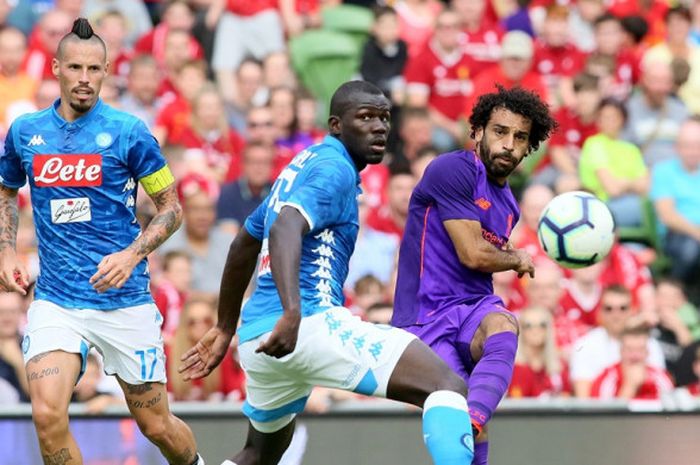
(81, 108)
(493, 170)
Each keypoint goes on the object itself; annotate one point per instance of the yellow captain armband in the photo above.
(156, 182)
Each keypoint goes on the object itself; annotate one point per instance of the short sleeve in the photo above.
(255, 223)
(450, 183)
(661, 182)
(322, 195)
(12, 173)
(143, 152)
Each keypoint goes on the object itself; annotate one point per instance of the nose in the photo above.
(84, 76)
(509, 142)
(380, 127)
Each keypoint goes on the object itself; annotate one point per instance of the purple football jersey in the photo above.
(430, 275)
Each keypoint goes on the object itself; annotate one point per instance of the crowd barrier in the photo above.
(523, 432)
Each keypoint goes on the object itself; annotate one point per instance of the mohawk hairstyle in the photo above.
(81, 30)
(520, 101)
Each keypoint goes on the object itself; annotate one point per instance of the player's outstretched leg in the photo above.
(265, 448)
(52, 376)
(423, 379)
(493, 348)
(148, 403)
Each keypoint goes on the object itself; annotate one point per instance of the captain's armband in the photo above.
(156, 182)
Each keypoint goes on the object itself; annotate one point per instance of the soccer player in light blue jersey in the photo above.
(83, 160)
(295, 332)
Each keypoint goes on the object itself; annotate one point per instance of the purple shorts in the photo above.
(451, 332)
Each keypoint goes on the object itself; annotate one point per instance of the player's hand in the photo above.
(525, 263)
(114, 270)
(283, 339)
(206, 355)
(14, 276)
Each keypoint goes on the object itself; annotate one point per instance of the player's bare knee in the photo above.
(450, 381)
(500, 322)
(155, 427)
(49, 420)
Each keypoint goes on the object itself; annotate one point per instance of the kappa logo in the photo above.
(36, 139)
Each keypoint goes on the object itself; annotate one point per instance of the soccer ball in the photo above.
(576, 229)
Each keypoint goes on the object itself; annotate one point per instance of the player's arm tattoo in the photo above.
(9, 217)
(60, 457)
(163, 225)
(138, 389)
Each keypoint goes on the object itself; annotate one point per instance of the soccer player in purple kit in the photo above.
(460, 217)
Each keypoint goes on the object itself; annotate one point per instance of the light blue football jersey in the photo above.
(322, 183)
(82, 176)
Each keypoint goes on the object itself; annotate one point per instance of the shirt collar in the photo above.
(81, 121)
(336, 144)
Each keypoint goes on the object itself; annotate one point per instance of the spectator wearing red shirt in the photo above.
(545, 291)
(172, 290)
(556, 57)
(176, 55)
(177, 15)
(653, 12)
(174, 116)
(417, 22)
(539, 370)
(53, 25)
(227, 381)
(440, 78)
(582, 294)
(391, 217)
(534, 199)
(622, 267)
(481, 35)
(217, 146)
(112, 28)
(246, 28)
(632, 377)
(514, 69)
(609, 37)
(576, 124)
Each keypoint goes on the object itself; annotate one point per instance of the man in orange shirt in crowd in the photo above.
(15, 85)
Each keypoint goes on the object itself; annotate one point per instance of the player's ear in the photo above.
(55, 67)
(107, 65)
(478, 134)
(334, 125)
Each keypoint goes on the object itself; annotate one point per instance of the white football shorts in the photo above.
(334, 349)
(129, 339)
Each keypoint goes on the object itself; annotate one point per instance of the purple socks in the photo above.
(491, 376)
(481, 453)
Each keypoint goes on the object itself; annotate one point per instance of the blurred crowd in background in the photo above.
(233, 89)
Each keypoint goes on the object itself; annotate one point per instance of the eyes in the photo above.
(519, 136)
(91, 68)
(384, 118)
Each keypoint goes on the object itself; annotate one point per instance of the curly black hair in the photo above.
(520, 101)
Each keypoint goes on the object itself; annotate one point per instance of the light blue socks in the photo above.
(447, 429)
